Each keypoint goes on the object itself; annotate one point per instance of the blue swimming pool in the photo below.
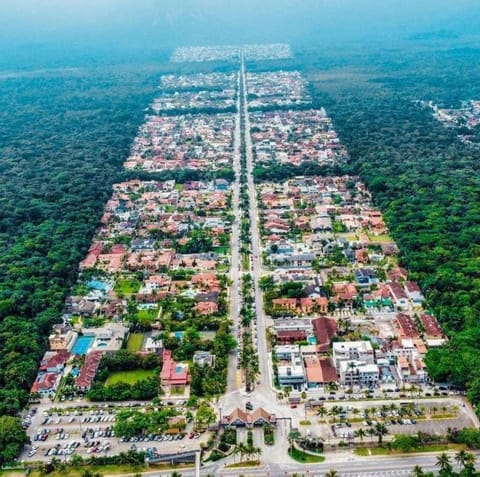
(82, 345)
(178, 335)
(97, 285)
(312, 340)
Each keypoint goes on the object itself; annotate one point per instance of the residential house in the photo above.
(319, 372)
(204, 358)
(62, 340)
(399, 297)
(89, 370)
(54, 361)
(324, 329)
(352, 351)
(173, 373)
(413, 292)
(46, 383)
(359, 373)
(153, 345)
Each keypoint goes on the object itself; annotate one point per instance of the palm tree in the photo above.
(461, 457)
(418, 472)
(334, 412)
(443, 463)
(470, 459)
(322, 412)
(360, 433)
(464, 458)
(380, 430)
(241, 449)
(331, 473)
(286, 391)
(384, 407)
(250, 451)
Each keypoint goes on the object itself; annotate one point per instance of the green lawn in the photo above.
(365, 451)
(245, 258)
(305, 458)
(147, 314)
(379, 238)
(222, 268)
(127, 286)
(129, 377)
(222, 250)
(207, 335)
(111, 469)
(245, 463)
(135, 341)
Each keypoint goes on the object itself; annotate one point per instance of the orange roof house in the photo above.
(172, 373)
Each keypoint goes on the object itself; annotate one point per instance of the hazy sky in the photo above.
(155, 24)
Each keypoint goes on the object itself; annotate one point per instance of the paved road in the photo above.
(263, 391)
(233, 382)
(263, 394)
(343, 463)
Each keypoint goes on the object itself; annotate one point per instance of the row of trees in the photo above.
(466, 461)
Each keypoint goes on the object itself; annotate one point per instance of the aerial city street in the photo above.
(236, 315)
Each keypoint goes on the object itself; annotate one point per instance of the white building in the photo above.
(292, 375)
(352, 351)
(359, 373)
(287, 352)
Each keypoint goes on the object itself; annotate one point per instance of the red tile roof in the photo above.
(406, 327)
(171, 374)
(325, 329)
(432, 328)
(89, 369)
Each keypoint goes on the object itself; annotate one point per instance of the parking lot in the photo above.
(342, 421)
(64, 431)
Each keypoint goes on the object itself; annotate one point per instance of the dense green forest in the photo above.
(424, 179)
(64, 135)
